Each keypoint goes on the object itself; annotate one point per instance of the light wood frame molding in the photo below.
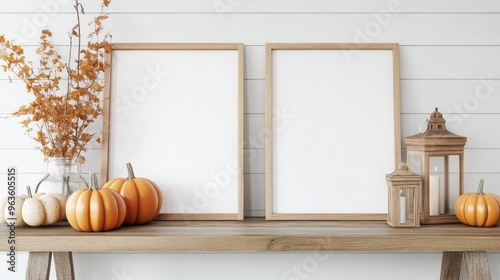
(201, 177)
(305, 151)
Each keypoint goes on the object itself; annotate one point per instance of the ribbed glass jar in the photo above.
(63, 176)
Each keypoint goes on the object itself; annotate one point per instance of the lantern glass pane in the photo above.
(408, 209)
(436, 165)
(444, 183)
(437, 193)
(415, 163)
(454, 182)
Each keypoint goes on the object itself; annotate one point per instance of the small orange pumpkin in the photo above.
(478, 209)
(142, 197)
(95, 209)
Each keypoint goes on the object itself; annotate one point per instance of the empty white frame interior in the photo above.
(332, 130)
(175, 111)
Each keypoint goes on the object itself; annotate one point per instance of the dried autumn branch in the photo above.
(59, 120)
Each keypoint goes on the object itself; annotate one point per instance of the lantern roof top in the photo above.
(436, 134)
(403, 174)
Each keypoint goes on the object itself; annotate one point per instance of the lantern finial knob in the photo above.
(402, 166)
(436, 116)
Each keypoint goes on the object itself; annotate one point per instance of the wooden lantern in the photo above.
(437, 155)
(404, 197)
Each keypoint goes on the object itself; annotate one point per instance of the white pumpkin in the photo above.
(35, 210)
(17, 213)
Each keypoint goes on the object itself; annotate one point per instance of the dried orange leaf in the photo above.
(58, 120)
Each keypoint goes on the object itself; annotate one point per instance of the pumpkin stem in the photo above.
(480, 188)
(93, 181)
(28, 188)
(130, 171)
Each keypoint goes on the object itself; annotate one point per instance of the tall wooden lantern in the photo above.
(437, 155)
(404, 197)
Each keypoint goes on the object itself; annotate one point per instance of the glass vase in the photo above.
(63, 176)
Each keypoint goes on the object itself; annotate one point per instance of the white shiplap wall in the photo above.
(450, 58)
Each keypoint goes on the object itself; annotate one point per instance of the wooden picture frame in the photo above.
(175, 111)
(332, 130)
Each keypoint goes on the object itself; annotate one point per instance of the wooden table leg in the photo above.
(38, 265)
(450, 265)
(476, 263)
(64, 265)
(477, 266)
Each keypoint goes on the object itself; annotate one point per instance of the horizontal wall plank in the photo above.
(491, 183)
(14, 137)
(255, 132)
(406, 29)
(255, 213)
(13, 134)
(481, 130)
(450, 62)
(254, 161)
(434, 62)
(256, 6)
(32, 161)
(482, 160)
(255, 62)
(51, 6)
(254, 192)
(469, 96)
(13, 95)
(255, 96)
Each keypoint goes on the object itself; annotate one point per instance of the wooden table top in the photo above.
(256, 235)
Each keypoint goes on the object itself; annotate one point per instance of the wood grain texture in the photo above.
(325, 217)
(278, 206)
(450, 265)
(38, 266)
(269, 132)
(258, 235)
(197, 216)
(184, 209)
(64, 265)
(477, 266)
(241, 132)
(178, 46)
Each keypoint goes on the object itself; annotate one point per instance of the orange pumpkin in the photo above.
(478, 209)
(95, 209)
(142, 197)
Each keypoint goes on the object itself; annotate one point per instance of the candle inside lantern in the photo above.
(434, 190)
(402, 209)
